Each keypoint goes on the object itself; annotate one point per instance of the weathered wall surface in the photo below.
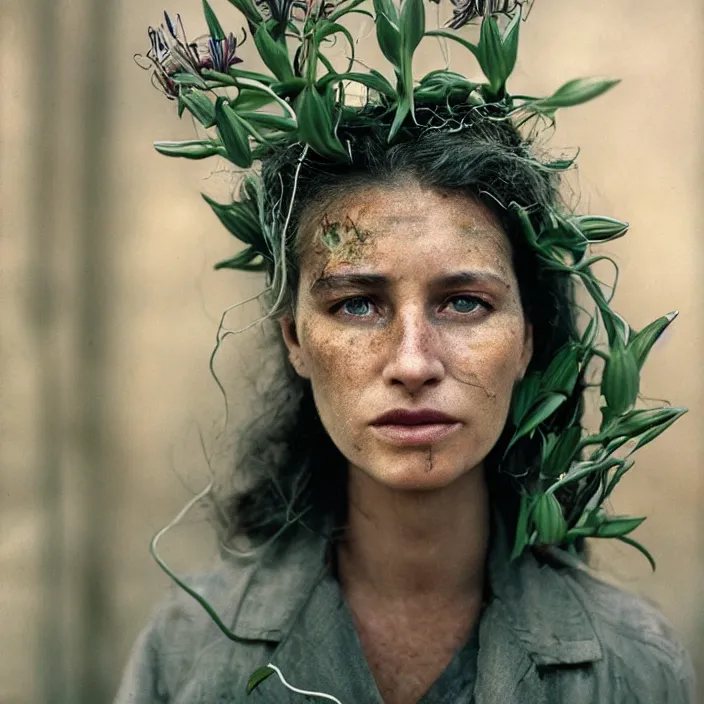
(109, 308)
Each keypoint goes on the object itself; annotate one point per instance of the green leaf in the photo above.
(614, 324)
(563, 371)
(491, 54)
(639, 547)
(251, 99)
(389, 39)
(521, 540)
(181, 105)
(585, 469)
(523, 396)
(183, 78)
(641, 343)
(290, 88)
(315, 125)
(251, 75)
(239, 218)
(273, 53)
(388, 8)
(590, 333)
(527, 225)
(373, 80)
(341, 11)
(580, 532)
(214, 26)
(257, 677)
(441, 78)
(541, 412)
(616, 526)
(199, 106)
(412, 25)
(233, 134)
(191, 149)
(562, 453)
(557, 165)
(510, 43)
(575, 92)
(268, 121)
(249, 10)
(244, 261)
(402, 109)
(225, 79)
(616, 478)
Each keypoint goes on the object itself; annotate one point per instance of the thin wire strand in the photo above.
(319, 695)
(219, 337)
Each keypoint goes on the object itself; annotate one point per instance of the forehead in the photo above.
(394, 227)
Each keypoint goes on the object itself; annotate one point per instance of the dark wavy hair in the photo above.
(287, 467)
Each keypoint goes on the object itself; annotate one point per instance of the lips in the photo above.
(422, 416)
(422, 427)
(424, 434)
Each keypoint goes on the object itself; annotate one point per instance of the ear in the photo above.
(527, 353)
(290, 336)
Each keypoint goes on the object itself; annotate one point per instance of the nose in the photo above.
(414, 359)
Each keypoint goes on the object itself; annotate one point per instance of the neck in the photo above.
(423, 546)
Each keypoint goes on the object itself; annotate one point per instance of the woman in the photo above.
(384, 477)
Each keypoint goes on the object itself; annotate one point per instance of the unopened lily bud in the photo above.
(190, 149)
(621, 380)
(575, 92)
(199, 106)
(599, 228)
(645, 424)
(233, 134)
(549, 520)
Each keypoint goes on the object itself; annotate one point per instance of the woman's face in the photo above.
(408, 300)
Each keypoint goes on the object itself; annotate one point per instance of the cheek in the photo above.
(337, 360)
(489, 359)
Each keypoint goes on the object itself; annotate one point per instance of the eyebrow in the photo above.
(332, 282)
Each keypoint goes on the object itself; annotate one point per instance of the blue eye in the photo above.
(363, 306)
(357, 309)
(470, 303)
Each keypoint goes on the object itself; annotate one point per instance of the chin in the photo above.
(419, 473)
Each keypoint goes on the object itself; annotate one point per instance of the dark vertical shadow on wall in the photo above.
(51, 665)
(95, 235)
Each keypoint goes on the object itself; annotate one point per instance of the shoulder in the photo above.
(182, 646)
(199, 646)
(642, 653)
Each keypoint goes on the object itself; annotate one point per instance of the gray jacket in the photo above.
(548, 635)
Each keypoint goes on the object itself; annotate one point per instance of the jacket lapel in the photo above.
(533, 620)
(291, 598)
(320, 654)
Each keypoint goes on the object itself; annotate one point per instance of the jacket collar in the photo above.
(541, 606)
(536, 602)
(272, 583)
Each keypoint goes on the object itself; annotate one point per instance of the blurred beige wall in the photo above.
(109, 307)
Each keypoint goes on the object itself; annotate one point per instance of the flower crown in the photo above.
(302, 103)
